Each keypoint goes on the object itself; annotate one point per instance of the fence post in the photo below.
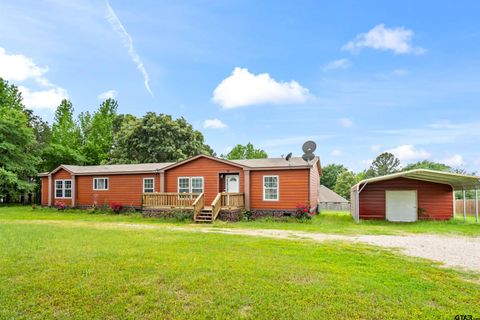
(464, 206)
(476, 205)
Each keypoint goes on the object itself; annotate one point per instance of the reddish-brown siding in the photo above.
(435, 199)
(293, 189)
(126, 189)
(44, 191)
(202, 167)
(314, 186)
(60, 174)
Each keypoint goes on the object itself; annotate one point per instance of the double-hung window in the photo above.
(190, 184)
(100, 183)
(63, 189)
(270, 188)
(148, 185)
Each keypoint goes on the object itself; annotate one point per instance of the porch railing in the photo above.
(216, 206)
(232, 200)
(198, 205)
(169, 199)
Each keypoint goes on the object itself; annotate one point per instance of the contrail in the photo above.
(128, 43)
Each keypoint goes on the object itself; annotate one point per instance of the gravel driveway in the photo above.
(452, 251)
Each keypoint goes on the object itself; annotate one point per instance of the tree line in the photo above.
(338, 178)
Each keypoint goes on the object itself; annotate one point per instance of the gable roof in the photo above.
(327, 195)
(248, 164)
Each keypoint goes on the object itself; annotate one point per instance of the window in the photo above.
(183, 185)
(148, 185)
(270, 188)
(100, 183)
(197, 184)
(63, 188)
(190, 184)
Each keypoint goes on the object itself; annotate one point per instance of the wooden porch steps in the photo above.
(205, 215)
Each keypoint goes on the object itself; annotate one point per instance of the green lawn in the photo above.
(94, 270)
(327, 222)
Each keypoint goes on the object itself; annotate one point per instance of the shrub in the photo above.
(247, 215)
(116, 207)
(60, 205)
(304, 212)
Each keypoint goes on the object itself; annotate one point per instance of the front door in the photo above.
(232, 183)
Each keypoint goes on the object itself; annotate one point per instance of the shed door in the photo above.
(401, 206)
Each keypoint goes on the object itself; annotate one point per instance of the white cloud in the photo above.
(17, 67)
(408, 152)
(337, 64)
(381, 38)
(20, 68)
(127, 41)
(400, 72)
(43, 99)
(336, 152)
(243, 88)
(375, 147)
(214, 124)
(346, 122)
(454, 161)
(110, 94)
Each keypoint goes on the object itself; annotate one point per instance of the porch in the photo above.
(194, 202)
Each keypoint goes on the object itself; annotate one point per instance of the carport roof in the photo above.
(456, 180)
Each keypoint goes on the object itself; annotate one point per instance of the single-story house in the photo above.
(330, 200)
(410, 195)
(202, 183)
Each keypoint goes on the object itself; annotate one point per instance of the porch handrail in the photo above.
(169, 199)
(198, 205)
(233, 199)
(216, 206)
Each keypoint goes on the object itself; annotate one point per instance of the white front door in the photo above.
(401, 206)
(232, 183)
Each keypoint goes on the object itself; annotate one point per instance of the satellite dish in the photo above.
(288, 156)
(308, 157)
(309, 146)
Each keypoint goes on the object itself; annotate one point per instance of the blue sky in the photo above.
(357, 77)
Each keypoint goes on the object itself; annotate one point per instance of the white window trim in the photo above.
(63, 188)
(149, 178)
(103, 178)
(190, 183)
(278, 188)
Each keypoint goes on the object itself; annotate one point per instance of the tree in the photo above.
(66, 143)
(385, 163)
(330, 174)
(97, 132)
(155, 138)
(18, 159)
(247, 151)
(425, 164)
(345, 181)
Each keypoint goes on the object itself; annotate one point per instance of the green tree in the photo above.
(66, 144)
(155, 138)
(247, 151)
(97, 132)
(330, 174)
(18, 159)
(345, 181)
(425, 164)
(385, 163)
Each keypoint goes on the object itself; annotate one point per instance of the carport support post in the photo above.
(464, 206)
(476, 205)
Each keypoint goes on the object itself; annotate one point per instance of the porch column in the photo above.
(162, 181)
(246, 174)
(464, 206)
(476, 205)
(74, 191)
(49, 190)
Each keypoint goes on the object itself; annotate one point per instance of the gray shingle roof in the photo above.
(327, 195)
(117, 168)
(272, 162)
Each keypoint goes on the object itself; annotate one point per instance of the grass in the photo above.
(327, 222)
(66, 270)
